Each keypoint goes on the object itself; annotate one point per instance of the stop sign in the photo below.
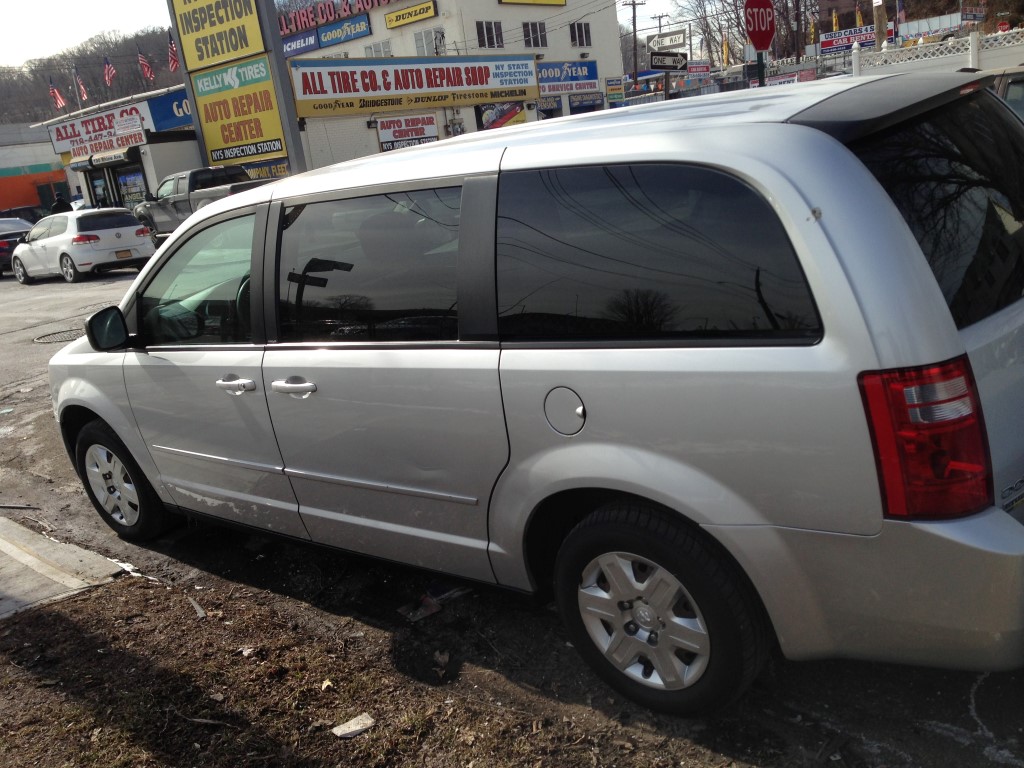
(1004, 26)
(759, 17)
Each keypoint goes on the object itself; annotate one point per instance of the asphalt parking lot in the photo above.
(830, 713)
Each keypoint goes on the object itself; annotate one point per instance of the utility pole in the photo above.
(666, 80)
(799, 36)
(881, 23)
(634, 4)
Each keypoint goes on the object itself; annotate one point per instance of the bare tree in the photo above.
(25, 91)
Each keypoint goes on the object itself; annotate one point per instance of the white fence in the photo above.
(996, 51)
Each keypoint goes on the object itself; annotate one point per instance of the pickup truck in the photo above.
(182, 194)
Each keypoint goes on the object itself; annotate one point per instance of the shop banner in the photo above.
(490, 116)
(216, 31)
(85, 136)
(317, 14)
(406, 131)
(237, 109)
(330, 87)
(558, 77)
(843, 40)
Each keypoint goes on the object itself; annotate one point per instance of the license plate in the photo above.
(123, 254)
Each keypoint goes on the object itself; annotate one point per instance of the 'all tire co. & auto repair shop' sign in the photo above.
(327, 88)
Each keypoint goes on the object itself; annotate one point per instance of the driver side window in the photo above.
(201, 294)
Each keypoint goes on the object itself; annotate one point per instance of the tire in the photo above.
(116, 485)
(69, 270)
(20, 273)
(658, 612)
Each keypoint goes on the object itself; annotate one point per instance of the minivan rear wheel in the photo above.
(116, 485)
(659, 614)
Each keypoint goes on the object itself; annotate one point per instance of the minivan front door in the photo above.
(196, 389)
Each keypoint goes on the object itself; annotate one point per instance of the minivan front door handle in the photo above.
(294, 386)
(236, 386)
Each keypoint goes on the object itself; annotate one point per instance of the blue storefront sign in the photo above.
(343, 31)
(296, 44)
(558, 77)
(170, 111)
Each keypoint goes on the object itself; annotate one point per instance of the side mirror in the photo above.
(149, 197)
(23, 239)
(107, 330)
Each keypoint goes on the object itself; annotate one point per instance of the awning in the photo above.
(101, 159)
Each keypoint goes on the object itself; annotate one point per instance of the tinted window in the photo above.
(1015, 96)
(957, 176)
(109, 220)
(644, 252)
(376, 268)
(201, 293)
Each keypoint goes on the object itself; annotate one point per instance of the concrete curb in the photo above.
(35, 570)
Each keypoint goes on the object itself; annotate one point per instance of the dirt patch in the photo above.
(143, 673)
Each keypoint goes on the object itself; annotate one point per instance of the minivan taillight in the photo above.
(929, 438)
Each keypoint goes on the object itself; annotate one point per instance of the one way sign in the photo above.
(673, 62)
(666, 41)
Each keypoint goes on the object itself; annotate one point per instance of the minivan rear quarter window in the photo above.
(645, 252)
(956, 174)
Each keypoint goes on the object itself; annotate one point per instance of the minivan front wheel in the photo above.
(660, 616)
(116, 485)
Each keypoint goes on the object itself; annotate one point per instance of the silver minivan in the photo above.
(721, 375)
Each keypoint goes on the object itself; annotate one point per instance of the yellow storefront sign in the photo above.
(216, 31)
(410, 15)
(237, 109)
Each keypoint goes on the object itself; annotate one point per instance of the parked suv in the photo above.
(750, 379)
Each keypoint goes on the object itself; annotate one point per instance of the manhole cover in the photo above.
(58, 337)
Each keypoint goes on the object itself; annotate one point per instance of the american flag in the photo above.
(58, 100)
(108, 71)
(147, 70)
(172, 54)
(82, 94)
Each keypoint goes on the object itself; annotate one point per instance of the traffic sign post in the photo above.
(759, 19)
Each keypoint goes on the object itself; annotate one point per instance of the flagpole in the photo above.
(76, 87)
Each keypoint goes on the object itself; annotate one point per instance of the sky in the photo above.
(645, 21)
(75, 21)
(63, 24)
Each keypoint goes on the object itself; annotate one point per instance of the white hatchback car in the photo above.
(78, 242)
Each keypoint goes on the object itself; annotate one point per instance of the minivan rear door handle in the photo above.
(293, 385)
